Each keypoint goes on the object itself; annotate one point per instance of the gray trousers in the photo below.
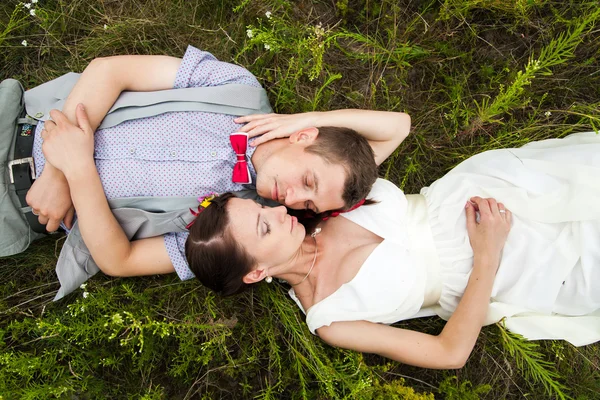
(15, 233)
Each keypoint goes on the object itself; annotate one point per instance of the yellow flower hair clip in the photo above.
(205, 201)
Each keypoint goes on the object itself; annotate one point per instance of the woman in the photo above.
(413, 255)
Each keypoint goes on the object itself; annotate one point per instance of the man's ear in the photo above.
(254, 276)
(307, 135)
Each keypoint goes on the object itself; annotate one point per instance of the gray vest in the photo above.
(141, 217)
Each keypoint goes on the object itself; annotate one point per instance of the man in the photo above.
(188, 153)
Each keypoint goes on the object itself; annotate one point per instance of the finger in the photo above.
(44, 134)
(482, 205)
(265, 138)
(493, 206)
(82, 119)
(471, 218)
(502, 210)
(35, 212)
(257, 124)
(509, 217)
(68, 220)
(260, 140)
(259, 130)
(49, 125)
(52, 225)
(252, 117)
(59, 117)
(43, 219)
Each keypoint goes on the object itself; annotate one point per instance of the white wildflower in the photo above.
(105, 27)
(24, 43)
(547, 113)
(32, 12)
(85, 295)
(249, 33)
(27, 5)
(83, 286)
(268, 14)
(319, 31)
(34, 1)
(267, 47)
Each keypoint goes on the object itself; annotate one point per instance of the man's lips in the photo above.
(275, 192)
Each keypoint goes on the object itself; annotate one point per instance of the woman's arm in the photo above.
(452, 347)
(384, 130)
(71, 150)
(97, 89)
(104, 79)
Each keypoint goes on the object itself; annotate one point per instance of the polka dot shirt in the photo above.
(172, 154)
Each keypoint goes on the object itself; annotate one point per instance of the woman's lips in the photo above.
(294, 223)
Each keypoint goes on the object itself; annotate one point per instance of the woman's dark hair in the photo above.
(217, 260)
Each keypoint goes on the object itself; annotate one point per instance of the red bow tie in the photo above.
(241, 172)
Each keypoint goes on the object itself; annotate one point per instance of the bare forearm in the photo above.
(98, 226)
(97, 89)
(104, 79)
(373, 125)
(462, 329)
(384, 130)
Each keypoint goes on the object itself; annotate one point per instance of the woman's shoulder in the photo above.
(387, 215)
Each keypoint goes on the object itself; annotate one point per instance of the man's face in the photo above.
(301, 180)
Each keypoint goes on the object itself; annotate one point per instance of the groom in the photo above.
(189, 153)
(308, 165)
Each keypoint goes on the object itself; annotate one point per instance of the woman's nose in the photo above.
(282, 212)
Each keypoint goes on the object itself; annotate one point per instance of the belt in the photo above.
(422, 247)
(21, 170)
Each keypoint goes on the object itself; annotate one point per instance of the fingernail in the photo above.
(252, 143)
(467, 204)
(82, 106)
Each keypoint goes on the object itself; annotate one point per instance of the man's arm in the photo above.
(384, 130)
(97, 89)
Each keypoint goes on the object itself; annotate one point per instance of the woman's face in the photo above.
(269, 235)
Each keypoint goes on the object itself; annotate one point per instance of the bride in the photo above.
(447, 251)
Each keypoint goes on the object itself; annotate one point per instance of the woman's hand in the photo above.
(274, 126)
(488, 234)
(66, 146)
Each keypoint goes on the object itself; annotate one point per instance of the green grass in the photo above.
(473, 74)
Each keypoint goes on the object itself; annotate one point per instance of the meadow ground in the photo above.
(473, 74)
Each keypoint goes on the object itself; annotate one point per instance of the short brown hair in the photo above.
(352, 151)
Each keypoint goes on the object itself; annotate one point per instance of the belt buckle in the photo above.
(26, 160)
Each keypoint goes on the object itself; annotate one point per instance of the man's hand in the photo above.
(50, 199)
(274, 126)
(66, 146)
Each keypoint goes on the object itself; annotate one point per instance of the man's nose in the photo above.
(294, 198)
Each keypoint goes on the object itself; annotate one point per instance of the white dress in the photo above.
(548, 282)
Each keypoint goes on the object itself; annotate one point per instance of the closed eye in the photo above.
(267, 226)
